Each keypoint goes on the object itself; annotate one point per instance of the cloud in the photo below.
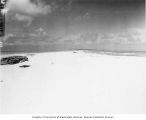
(26, 10)
(131, 37)
(24, 18)
(28, 7)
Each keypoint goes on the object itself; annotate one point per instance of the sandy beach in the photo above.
(74, 82)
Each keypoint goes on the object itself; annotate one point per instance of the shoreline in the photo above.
(100, 52)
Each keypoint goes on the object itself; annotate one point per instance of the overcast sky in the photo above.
(60, 18)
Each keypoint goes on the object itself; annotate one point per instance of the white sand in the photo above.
(75, 83)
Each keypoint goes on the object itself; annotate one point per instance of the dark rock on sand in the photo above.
(24, 66)
(13, 60)
(74, 52)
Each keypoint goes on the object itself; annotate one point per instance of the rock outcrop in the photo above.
(13, 60)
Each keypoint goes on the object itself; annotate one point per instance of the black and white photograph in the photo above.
(73, 57)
